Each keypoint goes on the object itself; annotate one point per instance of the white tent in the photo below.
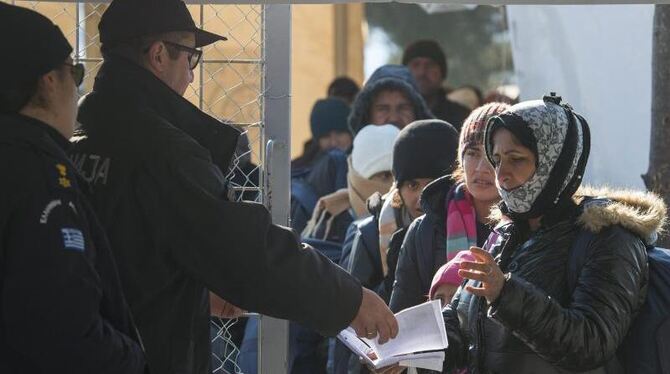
(599, 59)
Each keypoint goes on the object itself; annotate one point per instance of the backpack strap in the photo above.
(579, 249)
(304, 194)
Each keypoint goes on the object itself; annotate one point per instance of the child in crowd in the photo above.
(446, 280)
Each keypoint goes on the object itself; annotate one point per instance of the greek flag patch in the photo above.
(73, 239)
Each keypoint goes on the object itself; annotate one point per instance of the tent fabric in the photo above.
(598, 58)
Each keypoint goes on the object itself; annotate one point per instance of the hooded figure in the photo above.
(386, 78)
(517, 313)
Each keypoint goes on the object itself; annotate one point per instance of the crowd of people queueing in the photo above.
(119, 240)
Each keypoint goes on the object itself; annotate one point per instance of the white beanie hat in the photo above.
(373, 149)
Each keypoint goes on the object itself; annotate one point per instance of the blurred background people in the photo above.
(343, 88)
(428, 64)
(390, 96)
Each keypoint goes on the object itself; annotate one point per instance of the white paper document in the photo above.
(421, 340)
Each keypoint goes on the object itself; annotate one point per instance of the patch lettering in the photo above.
(44, 217)
(93, 168)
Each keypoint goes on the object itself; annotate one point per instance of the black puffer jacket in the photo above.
(423, 250)
(538, 325)
(365, 262)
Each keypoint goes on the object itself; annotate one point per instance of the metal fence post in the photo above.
(273, 333)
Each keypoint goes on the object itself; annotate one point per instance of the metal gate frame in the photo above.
(273, 333)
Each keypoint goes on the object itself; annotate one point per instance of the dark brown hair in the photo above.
(472, 133)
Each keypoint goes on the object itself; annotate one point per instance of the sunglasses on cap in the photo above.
(78, 71)
(194, 55)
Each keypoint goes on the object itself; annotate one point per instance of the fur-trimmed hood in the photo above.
(392, 77)
(641, 212)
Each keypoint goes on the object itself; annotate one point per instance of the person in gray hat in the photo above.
(155, 163)
(62, 309)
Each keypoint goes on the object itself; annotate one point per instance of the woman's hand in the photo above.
(485, 270)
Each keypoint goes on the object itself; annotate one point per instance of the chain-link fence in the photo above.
(228, 85)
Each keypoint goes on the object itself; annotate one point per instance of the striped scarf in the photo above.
(461, 225)
(389, 224)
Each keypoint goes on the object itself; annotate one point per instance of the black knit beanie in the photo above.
(329, 115)
(32, 44)
(425, 149)
(428, 49)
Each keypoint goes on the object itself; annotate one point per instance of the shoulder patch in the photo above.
(44, 217)
(62, 176)
(73, 239)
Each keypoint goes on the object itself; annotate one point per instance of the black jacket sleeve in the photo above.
(457, 350)
(236, 251)
(365, 263)
(347, 245)
(407, 290)
(51, 292)
(586, 333)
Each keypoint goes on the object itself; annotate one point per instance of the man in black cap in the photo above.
(156, 165)
(61, 307)
(428, 64)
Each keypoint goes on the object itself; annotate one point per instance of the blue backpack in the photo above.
(646, 347)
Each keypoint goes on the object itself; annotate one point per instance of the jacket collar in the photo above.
(435, 194)
(34, 132)
(641, 212)
(136, 87)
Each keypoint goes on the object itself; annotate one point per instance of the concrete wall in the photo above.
(315, 58)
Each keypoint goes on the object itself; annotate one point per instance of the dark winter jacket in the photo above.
(327, 175)
(537, 324)
(62, 309)
(155, 163)
(424, 248)
(449, 111)
(365, 261)
(387, 77)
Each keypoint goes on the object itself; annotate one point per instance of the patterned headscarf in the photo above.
(560, 140)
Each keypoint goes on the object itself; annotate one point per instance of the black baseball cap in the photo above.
(32, 46)
(126, 20)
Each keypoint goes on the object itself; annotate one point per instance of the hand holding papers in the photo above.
(420, 342)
